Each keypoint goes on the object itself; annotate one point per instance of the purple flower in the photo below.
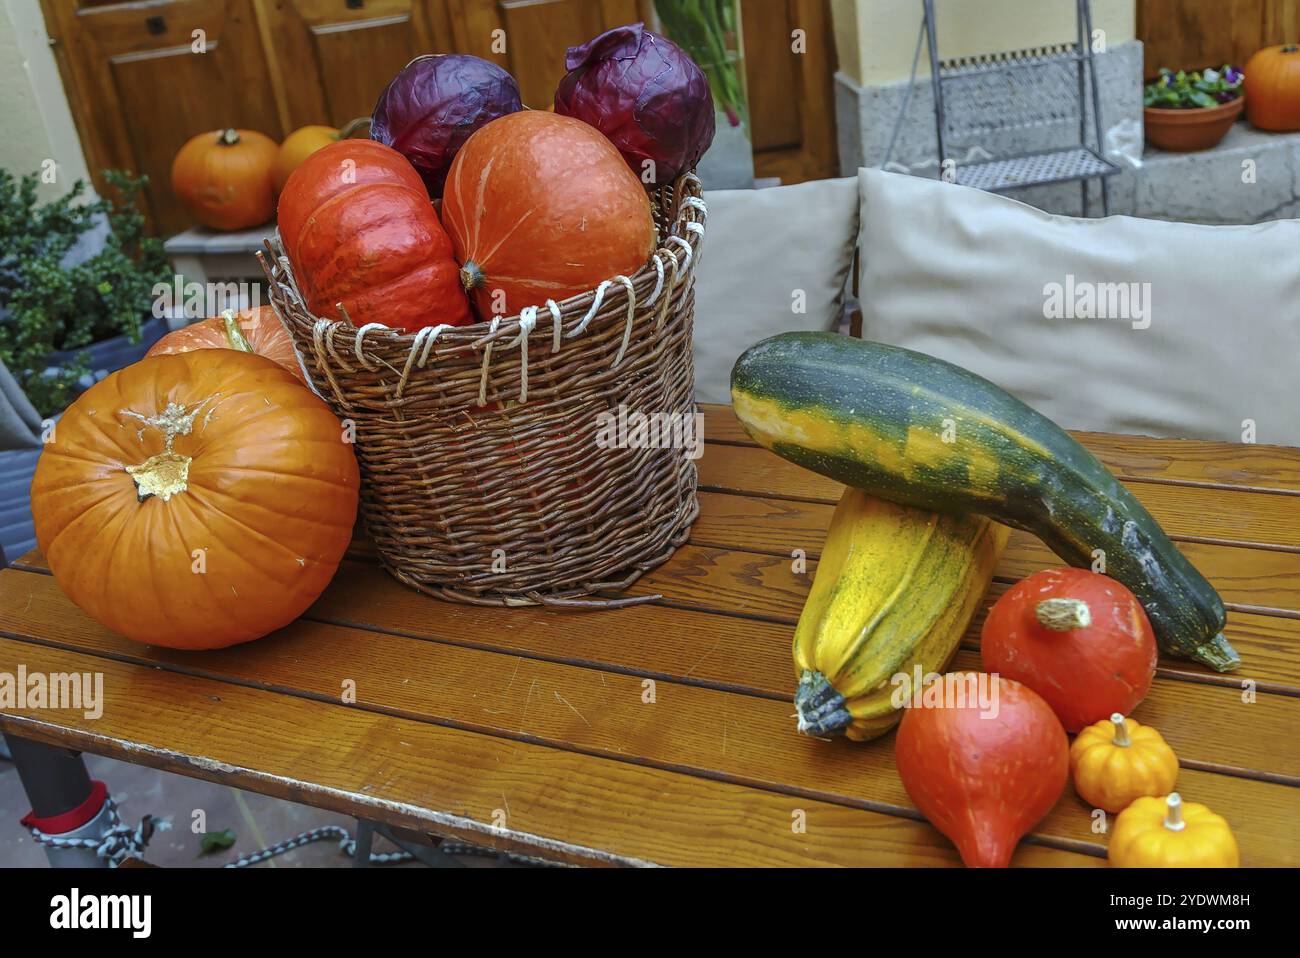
(1232, 75)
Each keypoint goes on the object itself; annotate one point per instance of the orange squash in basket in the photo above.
(359, 229)
(255, 331)
(541, 207)
(196, 500)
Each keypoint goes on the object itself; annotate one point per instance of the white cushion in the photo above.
(1209, 337)
(774, 260)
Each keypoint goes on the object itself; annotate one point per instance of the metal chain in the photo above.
(116, 842)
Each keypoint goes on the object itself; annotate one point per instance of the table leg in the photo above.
(57, 783)
(365, 839)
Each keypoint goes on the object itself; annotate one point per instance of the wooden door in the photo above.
(330, 59)
(1189, 36)
(142, 78)
(529, 37)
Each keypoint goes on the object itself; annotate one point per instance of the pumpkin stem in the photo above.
(472, 276)
(1174, 813)
(163, 475)
(348, 130)
(1063, 615)
(235, 335)
(821, 709)
(1121, 731)
(228, 137)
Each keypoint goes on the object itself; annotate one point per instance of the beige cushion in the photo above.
(1209, 336)
(767, 255)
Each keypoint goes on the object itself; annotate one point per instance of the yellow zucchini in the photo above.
(895, 588)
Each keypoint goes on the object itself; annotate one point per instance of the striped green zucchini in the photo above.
(922, 432)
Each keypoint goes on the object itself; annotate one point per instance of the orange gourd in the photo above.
(256, 331)
(196, 500)
(305, 141)
(224, 179)
(541, 206)
(1273, 88)
(359, 229)
(983, 772)
(1079, 639)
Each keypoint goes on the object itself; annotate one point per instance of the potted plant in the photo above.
(1185, 112)
(76, 286)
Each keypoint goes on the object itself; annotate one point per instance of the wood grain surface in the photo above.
(663, 733)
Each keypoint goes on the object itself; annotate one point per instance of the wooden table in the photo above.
(664, 733)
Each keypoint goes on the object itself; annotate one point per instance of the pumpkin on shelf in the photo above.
(1078, 638)
(305, 141)
(225, 179)
(358, 227)
(1117, 761)
(1166, 832)
(196, 500)
(1273, 88)
(255, 331)
(541, 206)
(983, 769)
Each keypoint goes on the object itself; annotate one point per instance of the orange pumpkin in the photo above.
(256, 331)
(225, 178)
(359, 229)
(541, 206)
(303, 142)
(1273, 88)
(196, 500)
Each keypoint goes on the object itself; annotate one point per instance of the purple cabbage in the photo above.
(646, 95)
(431, 108)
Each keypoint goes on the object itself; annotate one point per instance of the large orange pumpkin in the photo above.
(1273, 88)
(360, 230)
(255, 331)
(305, 141)
(541, 207)
(196, 500)
(224, 178)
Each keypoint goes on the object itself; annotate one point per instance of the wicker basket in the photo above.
(488, 475)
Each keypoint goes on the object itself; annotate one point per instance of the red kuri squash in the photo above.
(1079, 639)
(224, 179)
(983, 773)
(196, 500)
(255, 331)
(541, 207)
(359, 229)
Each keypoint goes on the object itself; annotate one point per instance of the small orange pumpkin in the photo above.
(1273, 88)
(225, 179)
(257, 331)
(196, 500)
(303, 142)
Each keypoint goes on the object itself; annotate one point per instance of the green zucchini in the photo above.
(922, 432)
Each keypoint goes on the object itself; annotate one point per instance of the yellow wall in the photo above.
(876, 38)
(34, 112)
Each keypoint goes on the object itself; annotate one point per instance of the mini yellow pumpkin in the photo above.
(1165, 833)
(1117, 760)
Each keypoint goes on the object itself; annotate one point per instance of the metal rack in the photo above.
(1049, 87)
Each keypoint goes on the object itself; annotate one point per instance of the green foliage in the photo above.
(1200, 88)
(47, 305)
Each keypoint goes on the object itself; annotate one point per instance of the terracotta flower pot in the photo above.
(1192, 129)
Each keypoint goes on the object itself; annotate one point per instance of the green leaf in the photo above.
(211, 842)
